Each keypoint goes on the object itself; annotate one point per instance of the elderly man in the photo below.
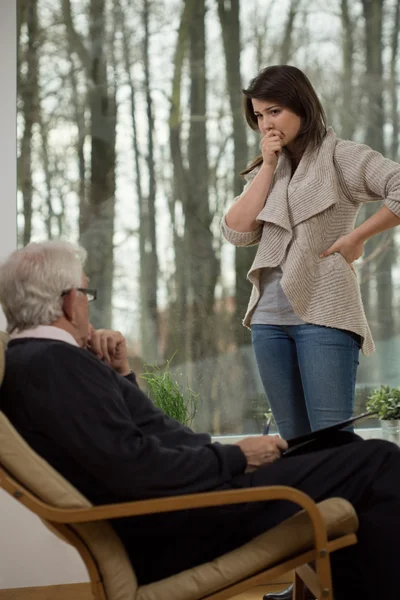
(79, 407)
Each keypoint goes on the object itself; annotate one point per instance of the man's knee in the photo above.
(382, 446)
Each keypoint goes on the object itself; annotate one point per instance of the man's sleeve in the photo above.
(131, 377)
(153, 421)
(83, 409)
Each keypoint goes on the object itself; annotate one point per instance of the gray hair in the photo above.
(32, 280)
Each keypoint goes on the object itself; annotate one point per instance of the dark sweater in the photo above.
(103, 434)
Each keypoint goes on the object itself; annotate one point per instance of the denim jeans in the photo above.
(308, 373)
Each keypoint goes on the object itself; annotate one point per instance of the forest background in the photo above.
(131, 138)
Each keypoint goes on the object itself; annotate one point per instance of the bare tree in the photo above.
(177, 338)
(148, 260)
(230, 23)
(393, 83)
(78, 103)
(204, 266)
(21, 17)
(373, 16)
(374, 85)
(44, 134)
(347, 116)
(28, 93)
(287, 40)
(98, 226)
(147, 210)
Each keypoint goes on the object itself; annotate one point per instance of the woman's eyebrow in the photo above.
(258, 112)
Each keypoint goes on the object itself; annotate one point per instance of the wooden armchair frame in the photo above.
(318, 580)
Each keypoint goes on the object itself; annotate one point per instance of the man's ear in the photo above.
(69, 305)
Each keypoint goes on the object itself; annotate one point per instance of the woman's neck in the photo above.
(294, 160)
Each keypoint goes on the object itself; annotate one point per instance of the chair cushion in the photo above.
(41, 479)
(287, 539)
(290, 538)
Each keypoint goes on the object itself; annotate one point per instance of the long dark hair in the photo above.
(289, 87)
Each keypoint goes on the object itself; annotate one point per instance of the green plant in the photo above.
(166, 393)
(386, 402)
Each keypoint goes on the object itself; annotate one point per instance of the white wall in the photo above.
(29, 554)
(8, 141)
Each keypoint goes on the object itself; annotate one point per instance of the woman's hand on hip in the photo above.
(348, 246)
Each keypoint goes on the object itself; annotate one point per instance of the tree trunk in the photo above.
(79, 114)
(204, 266)
(287, 42)
(21, 18)
(98, 237)
(147, 217)
(76, 47)
(373, 15)
(229, 18)
(347, 114)
(47, 175)
(393, 84)
(29, 96)
(97, 231)
(374, 84)
(145, 328)
(178, 340)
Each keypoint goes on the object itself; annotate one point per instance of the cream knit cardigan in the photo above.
(304, 215)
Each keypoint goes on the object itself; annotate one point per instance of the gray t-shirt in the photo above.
(273, 307)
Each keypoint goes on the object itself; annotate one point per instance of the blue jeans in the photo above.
(308, 373)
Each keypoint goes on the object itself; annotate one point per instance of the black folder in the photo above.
(302, 440)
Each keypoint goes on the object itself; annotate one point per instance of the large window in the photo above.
(131, 138)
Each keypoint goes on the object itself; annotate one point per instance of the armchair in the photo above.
(309, 536)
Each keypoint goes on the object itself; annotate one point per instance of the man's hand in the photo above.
(262, 450)
(110, 347)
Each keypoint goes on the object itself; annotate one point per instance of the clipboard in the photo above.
(302, 440)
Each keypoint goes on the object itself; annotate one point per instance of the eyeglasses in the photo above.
(90, 293)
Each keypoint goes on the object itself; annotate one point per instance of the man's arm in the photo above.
(80, 406)
(110, 347)
(153, 421)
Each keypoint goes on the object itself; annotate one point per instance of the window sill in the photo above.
(365, 433)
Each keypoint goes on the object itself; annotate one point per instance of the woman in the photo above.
(300, 205)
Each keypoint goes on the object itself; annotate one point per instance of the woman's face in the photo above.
(271, 115)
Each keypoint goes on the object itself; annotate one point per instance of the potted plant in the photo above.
(385, 401)
(166, 393)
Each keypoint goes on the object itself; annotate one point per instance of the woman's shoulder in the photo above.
(357, 157)
(350, 150)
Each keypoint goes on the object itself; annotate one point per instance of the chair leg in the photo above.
(306, 577)
(299, 588)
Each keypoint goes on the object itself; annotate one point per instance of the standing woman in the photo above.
(300, 204)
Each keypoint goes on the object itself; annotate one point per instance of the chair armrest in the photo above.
(169, 504)
(187, 501)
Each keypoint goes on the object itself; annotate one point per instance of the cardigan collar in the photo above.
(312, 189)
